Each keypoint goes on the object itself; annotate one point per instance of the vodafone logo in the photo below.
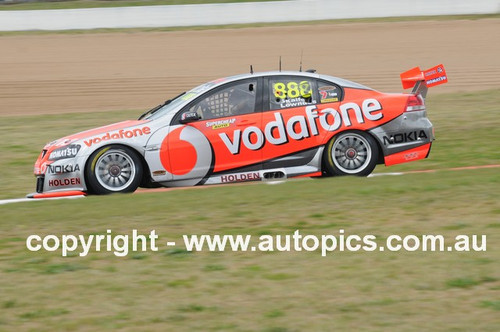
(298, 127)
(118, 135)
(186, 154)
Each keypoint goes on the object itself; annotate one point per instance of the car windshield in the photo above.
(173, 104)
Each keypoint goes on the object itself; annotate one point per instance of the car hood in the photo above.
(93, 132)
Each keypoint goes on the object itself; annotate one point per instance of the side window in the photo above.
(235, 99)
(290, 92)
(328, 92)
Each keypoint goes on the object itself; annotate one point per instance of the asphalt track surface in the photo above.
(89, 72)
(141, 191)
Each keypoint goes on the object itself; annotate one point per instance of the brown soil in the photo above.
(60, 73)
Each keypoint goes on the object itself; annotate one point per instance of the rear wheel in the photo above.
(113, 169)
(351, 153)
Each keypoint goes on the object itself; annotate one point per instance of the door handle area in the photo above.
(245, 123)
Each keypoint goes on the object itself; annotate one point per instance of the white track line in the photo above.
(20, 200)
(384, 174)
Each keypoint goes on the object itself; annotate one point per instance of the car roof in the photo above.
(337, 80)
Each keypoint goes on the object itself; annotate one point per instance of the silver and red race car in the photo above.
(250, 127)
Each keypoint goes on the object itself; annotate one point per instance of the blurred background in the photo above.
(73, 65)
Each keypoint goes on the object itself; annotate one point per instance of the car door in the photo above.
(225, 138)
(293, 119)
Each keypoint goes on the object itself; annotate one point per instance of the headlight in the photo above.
(65, 152)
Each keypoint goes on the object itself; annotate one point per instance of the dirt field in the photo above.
(60, 73)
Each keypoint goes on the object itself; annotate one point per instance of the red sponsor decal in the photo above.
(180, 158)
(298, 127)
(240, 177)
(64, 182)
(435, 76)
(411, 156)
(119, 135)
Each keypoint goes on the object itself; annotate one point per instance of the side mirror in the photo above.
(188, 117)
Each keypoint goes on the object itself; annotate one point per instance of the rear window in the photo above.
(328, 92)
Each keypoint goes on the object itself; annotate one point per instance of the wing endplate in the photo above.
(435, 76)
(431, 77)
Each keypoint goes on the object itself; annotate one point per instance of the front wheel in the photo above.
(351, 153)
(113, 169)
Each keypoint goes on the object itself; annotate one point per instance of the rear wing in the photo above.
(421, 80)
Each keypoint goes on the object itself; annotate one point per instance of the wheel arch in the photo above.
(146, 176)
(380, 156)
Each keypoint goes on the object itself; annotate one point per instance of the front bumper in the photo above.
(60, 175)
(39, 183)
(56, 194)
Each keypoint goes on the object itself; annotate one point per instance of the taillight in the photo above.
(415, 103)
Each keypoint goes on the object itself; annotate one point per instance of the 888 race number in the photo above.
(292, 90)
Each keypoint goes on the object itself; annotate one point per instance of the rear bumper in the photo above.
(417, 153)
(406, 138)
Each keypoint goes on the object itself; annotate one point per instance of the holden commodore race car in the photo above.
(250, 127)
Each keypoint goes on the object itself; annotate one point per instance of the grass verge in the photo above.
(173, 289)
(77, 4)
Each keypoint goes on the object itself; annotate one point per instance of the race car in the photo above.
(250, 127)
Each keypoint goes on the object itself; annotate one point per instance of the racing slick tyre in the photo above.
(113, 169)
(351, 153)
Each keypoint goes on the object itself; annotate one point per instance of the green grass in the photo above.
(495, 305)
(175, 290)
(75, 4)
(257, 25)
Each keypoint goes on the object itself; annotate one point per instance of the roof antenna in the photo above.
(251, 69)
(280, 63)
(301, 53)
